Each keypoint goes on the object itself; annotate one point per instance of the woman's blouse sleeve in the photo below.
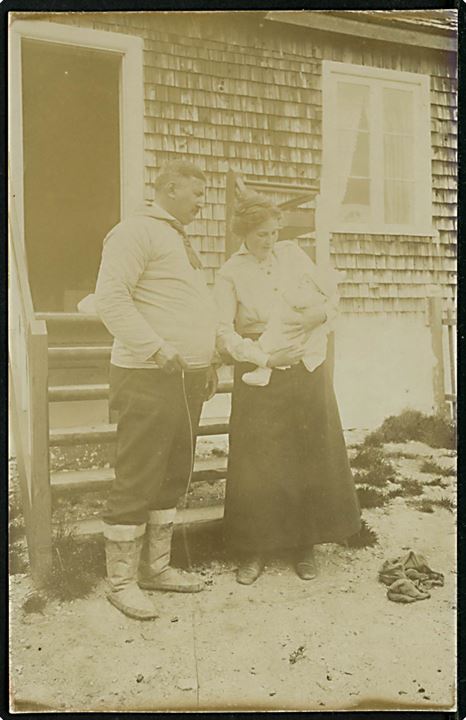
(327, 279)
(228, 340)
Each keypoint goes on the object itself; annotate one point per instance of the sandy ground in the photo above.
(335, 642)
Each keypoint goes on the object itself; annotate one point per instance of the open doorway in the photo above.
(71, 166)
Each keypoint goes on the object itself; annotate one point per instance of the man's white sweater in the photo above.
(148, 293)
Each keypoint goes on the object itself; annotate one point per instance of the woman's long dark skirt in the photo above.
(289, 480)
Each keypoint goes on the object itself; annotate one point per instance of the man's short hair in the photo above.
(174, 169)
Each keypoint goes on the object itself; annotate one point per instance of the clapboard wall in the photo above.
(234, 90)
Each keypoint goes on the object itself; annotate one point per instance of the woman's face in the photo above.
(261, 240)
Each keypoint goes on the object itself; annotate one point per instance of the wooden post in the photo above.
(40, 516)
(438, 378)
(322, 233)
(452, 360)
(230, 196)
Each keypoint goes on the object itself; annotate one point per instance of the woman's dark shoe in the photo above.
(249, 570)
(306, 566)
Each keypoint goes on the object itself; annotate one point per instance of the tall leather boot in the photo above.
(123, 545)
(155, 572)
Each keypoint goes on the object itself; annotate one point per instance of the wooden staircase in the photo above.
(79, 351)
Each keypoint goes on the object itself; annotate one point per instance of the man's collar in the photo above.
(154, 210)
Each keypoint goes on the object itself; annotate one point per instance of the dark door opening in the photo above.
(71, 156)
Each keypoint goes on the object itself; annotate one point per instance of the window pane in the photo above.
(358, 143)
(398, 112)
(399, 202)
(398, 157)
(352, 158)
(355, 207)
(352, 106)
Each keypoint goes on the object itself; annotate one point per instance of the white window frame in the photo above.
(131, 99)
(422, 224)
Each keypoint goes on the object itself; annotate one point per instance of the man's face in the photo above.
(187, 198)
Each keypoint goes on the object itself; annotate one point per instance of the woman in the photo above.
(289, 481)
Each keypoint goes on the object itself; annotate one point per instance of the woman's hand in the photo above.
(305, 321)
(286, 356)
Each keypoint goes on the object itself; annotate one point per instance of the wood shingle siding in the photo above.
(231, 89)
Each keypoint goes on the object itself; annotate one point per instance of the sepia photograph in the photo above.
(232, 361)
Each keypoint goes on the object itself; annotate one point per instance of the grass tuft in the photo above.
(77, 566)
(445, 503)
(433, 468)
(412, 487)
(425, 506)
(377, 469)
(366, 537)
(437, 482)
(370, 497)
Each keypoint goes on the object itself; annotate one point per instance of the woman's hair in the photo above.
(251, 211)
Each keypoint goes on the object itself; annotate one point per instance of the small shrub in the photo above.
(76, 566)
(370, 498)
(433, 468)
(434, 430)
(411, 487)
(366, 537)
(437, 482)
(378, 470)
(425, 506)
(445, 503)
(396, 492)
(368, 457)
(374, 439)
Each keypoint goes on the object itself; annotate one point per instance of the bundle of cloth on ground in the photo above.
(409, 578)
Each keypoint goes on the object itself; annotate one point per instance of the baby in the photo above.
(295, 299)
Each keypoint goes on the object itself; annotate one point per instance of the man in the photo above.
(152, 297)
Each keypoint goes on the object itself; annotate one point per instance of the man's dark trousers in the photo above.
(154, 442)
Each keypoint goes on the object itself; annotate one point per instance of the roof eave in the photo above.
(344, 26)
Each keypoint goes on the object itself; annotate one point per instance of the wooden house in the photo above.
(359, 108)
(360, 105)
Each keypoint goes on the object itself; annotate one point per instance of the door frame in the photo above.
(131, 102)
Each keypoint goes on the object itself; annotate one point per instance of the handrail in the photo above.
(27, 352)
(20, 260)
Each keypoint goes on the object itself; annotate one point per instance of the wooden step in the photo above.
(79, 355)
(99, 391)
(73, 328)
(187, 517)
(64, 393)
(207, 469)
(102, 433)
(106, 432)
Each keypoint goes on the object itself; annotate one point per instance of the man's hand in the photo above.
(305, 321)
(169, 360)
(211, 383)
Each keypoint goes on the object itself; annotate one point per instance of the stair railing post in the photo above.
(438, 370)
(40, 510)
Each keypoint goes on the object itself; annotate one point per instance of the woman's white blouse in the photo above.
(245, 289)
